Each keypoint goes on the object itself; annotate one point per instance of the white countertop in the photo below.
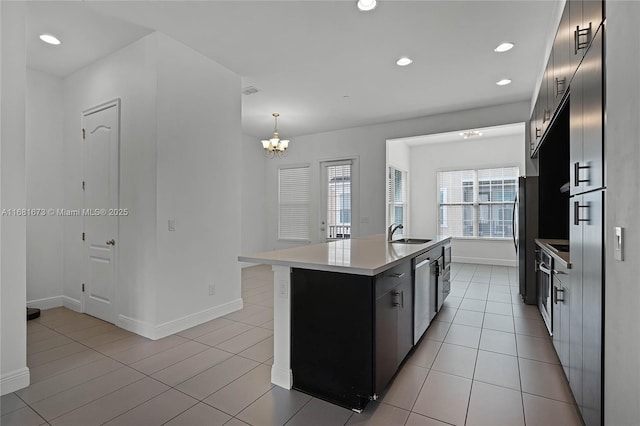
(368, 255)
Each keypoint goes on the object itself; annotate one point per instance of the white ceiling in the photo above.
(306, 56)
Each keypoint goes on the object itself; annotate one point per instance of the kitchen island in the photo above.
(343, 315)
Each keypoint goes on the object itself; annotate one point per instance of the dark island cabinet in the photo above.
(349, 333)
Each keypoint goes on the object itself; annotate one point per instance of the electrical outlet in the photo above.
(172, 225)
(212, 289)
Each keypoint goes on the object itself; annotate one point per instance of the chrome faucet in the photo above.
(391, 230)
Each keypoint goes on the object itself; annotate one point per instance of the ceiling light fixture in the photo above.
(503, 82)
(404, 61)
(470, 133)
(48, 38)
(504, 47)
(275, 147)
(367, 5)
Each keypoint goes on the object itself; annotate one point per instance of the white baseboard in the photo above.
(14, 380)
(143, 328)
(484, 261)
(45, 303)
(55, 302)
(281, 377)
(168, 328)
(72, 304)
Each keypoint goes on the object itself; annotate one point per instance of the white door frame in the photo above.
(116, 305)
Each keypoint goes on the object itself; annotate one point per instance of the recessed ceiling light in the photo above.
(404, 61)
(503, 82)
(367, 5)
(48, 38)
(503, 47)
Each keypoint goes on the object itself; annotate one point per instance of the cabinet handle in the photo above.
(576, 174)
(576, 213)
(538, 133)
(397, 275)
(560, 82)
(398, 302)
(581, 32)
(556, 299)
(542, 267)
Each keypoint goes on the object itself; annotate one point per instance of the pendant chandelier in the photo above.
(275, 147)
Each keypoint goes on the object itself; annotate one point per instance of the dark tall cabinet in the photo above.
(578, 73)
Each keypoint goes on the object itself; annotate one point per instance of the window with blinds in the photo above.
(477, 203)
(397, 199)
(293, 203)
(338, 175)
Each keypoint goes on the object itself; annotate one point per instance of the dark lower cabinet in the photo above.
(405, 319)
(332, 346)
(349, 333)
(592, 305)
(386, 338)
(586, 303)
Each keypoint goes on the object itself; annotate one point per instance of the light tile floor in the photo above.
(485, 360)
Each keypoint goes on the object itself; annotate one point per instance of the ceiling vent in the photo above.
(249, 90)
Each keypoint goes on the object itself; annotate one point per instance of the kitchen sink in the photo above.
(411, 241)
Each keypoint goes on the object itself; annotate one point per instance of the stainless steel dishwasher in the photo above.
(425, 273)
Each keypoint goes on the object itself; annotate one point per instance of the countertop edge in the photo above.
(346, 269)
(544, 244)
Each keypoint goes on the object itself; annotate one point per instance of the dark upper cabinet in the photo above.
(535, 129)
(576, 33)
(592, 114)
(547, 97)
(586, 122)
(585, 18)
(562, 69)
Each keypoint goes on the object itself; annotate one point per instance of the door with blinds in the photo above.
(336, 199)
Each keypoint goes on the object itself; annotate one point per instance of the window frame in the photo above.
(476, 203)
(391, 169)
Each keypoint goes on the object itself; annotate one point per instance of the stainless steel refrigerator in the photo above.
(525, 230)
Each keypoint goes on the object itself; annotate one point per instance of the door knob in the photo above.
(111, 242)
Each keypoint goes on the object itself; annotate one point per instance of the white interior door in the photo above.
(100, 146)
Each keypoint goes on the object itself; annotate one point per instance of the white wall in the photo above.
(14, 373)
(428, 159)
(179, 156)
(622, 292)
(128, 74)
(369, 143)
(199, 185)
(44, 188)
(254, 218)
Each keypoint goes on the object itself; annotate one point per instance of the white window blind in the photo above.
(477, 203)
(293, 203)
(397, 198)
